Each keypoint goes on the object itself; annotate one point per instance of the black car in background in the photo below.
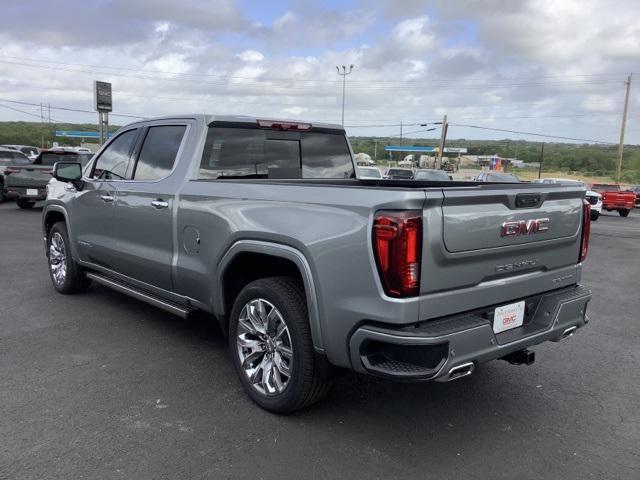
(9, 156)
(399, 174)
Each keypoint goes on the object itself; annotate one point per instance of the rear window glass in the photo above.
(49, 159)
(400, 173)
(255, 153)
(369, 172)
(432, 175)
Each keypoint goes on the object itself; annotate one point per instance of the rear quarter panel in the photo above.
(329, 225)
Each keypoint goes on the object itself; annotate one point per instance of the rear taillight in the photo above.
(586, 231)
(397, 246)
(10, 170)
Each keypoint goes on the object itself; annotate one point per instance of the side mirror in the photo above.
(70, 172)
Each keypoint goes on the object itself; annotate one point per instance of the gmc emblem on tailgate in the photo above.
(524, 227)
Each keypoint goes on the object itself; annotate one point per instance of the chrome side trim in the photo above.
(157, 302)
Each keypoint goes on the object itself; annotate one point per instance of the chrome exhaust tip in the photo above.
(461, 371)
(568, 332)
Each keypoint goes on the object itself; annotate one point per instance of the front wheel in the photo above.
(24, 203)
(594, 215)
(270, 341)
(624, 212)
(67, 276)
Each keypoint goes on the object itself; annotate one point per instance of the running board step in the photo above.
(165, 305)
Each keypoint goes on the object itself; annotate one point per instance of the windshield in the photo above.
(29, 150)
(369, 172)
(434, 175)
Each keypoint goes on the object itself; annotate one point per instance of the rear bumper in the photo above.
(431, 350)
(21, 192)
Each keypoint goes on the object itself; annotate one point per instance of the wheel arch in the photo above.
(289, 259)
(52, 215)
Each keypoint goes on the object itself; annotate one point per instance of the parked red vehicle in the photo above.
(614, 198)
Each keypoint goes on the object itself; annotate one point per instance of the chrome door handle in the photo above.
(106, 198)
(159, 204)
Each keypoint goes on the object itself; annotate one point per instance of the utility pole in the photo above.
(622, 128)
(443, 139)
(344, 74)
(375, 150)
(41, 126)
(541, 161)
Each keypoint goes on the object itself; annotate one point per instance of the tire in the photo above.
(66, 275)
(308, 379)
(24, 203)
(624, 212)
(1, 192)
(594, 215)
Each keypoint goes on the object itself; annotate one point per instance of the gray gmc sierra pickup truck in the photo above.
(264, 224)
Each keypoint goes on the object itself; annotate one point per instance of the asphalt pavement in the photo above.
(101, 386)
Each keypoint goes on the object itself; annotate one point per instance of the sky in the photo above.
(554, 67)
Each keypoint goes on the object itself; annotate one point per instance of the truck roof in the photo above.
(248, 119)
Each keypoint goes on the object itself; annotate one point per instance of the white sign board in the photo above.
(454, 150)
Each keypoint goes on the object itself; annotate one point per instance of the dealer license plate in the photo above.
(508, 317)
(32, 192)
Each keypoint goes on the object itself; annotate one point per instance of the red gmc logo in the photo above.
(524, 227)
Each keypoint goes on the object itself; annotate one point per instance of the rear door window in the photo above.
(159, 152)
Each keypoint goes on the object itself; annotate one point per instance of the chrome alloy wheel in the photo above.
(58, 259)
(264, 347)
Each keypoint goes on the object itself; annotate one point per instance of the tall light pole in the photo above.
(344, 74)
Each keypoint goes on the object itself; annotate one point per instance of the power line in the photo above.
(535, 134)
(69, 109)
(23, 111)
(239, 77)
(370, 85)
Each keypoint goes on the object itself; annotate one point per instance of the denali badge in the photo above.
(524, 227)
(517, 265)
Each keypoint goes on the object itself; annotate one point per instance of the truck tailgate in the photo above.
(29, 176)
(481, 242)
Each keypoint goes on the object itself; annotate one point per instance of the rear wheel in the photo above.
(67, 276)
(594, 215)
(270, 341)
(25, 203)
(1, 192)
(624, 212)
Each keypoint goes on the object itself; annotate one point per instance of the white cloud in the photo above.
(515, 65)
(251, 56)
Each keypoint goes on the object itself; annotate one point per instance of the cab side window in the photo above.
(159, 152)
(113, 162)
